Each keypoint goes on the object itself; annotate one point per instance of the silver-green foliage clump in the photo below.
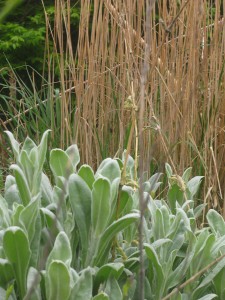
(77, 238)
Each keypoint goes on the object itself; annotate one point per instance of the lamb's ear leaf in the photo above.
(101, 296)
(42, 149)
(107, 271)
(61, 250)
(17, 250)
(80, 201)
(109, 234)
(6, 272)
(100, 205)
(22, 184)
(33, 276)
(216, 222)
(83, 286)
(58, 281)
(60, 163)
(87, 174)
(169, 171)
(14, 144)
(74, 155)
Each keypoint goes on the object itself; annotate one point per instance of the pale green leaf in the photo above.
(60, 163)
(110, 233)
(16, 247)
(193, 185)
(80, 201)
(83, 287)
(216, 222)
(107, 271)
(100, 209)
(15, 145)
(208, 297)
(42, 149)
(87, 174)
(169, 171)
(33, 285)
(6, 273)
(22, 184)
(61, 250)
(58, 281)
(28, 217)
(113, 289)
(28, 145)
(109, 168)
(101, 296)
(74, 155)
(157, 267)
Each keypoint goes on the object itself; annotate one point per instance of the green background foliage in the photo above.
(23, 33)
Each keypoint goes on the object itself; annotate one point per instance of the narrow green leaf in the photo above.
(60, 163)
(100, 209)
(16, 247)
(28, 217)
(175, 195)
(154, 182)
(33, 156)
(169, 171)
(110, 233)
(27, 167)
(61, 250)
(51, 220)
(159, 243)
(216, 222)
(87, 174)
(109, 168)
(17, 209)
(198, 210)
(204, 256)
(42, 149)
(28, 145)
(176, 276)
(22, 184)
(74, 155)
(107, 271)
(101, 296)
(125, 203)
(157, 267)
(218, 283)
(58, 281)
(6, 273)
(129, 165)
(158, 225)
(187, 174)
(193, 185)
(80, 201)
(208, 297)
(210, 277)
(46, 190)
(113, 289)
(36, 242)
(4, 214)
(83, 287)
(15, 145)
(33, 285)
(12, 195)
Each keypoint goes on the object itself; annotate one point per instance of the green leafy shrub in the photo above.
(23, 33)
(77, 238)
